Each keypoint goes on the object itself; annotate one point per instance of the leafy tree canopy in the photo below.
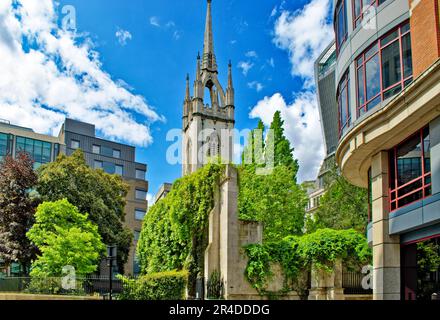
(92, 191)
(276, 200)
(343, 206)
(65, 237)
(17, 209)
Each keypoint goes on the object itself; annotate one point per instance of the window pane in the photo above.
(139, 214)
(392, 92)
(98, 164)
(141, 194)
(371, 52)
(391, 73)
(106, 151)
(119, 170)
(361, 98)
(96, 149)
(373, 103)
(427, 150)
(409, 160)
(140, 174)
(372, 77)
(357, 8)
(405, 28)
(74, 144)
(341, 23)
(393, 35)
(136, 235)
(344, 115)
(3, 145)
(407, 57)
(109, 167)
(116, 153)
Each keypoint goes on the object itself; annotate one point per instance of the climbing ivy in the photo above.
(297, 254)
(174, 233)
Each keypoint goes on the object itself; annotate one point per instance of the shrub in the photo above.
(170, 285)
(53, 286)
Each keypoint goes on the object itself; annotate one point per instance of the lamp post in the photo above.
(111, 258)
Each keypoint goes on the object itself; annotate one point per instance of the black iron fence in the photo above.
(93, 285)
(352, 283)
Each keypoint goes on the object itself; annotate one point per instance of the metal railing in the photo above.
(93, 285)
(352, 283)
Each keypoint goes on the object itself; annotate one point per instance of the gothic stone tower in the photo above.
(207, 125)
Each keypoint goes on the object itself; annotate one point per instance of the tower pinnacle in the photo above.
(209, 61)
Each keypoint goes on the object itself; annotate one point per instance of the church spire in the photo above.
(209, 61)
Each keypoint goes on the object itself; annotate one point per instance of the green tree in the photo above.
(276, 200)
(343, 206)
(250, 154)
(17, 210)
(65, 237)
(283, 152)
(92, 191)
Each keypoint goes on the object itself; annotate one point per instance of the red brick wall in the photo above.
(425, 34)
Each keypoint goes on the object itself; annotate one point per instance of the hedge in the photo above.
(170, 285)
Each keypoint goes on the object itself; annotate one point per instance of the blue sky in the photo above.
(141, 51)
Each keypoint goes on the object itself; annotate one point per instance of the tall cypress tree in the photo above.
(250, 152)
(17, 210)
(283, 152)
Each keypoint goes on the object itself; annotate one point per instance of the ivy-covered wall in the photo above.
(174, 233)
(297, 254)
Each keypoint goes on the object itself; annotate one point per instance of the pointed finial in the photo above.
(198, 55)
(188, 94)
(230, 85)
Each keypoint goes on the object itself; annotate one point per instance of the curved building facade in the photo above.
(387, 88)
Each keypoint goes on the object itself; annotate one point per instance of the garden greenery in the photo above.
(298, 253)
(169, 285)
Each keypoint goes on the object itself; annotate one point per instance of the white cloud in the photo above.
(271, 62)
(305, 33)
(274, 12)
(123, 36)
(251, 54)
(255, 85)
(302, 128)
(245, 66)
(154, 21)
(170, 24)
(48, 74)
(177, 34)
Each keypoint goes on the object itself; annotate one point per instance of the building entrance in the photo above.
(421, 269)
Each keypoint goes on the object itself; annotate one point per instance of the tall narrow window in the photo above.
(410, 170)
(344, 104)
(341, 24)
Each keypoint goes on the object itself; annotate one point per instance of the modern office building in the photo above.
(388, 94)
(163, 191)
(328, 111)
(112, 157)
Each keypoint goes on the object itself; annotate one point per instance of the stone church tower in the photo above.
(208, 115)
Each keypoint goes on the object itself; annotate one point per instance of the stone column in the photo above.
(386, 248)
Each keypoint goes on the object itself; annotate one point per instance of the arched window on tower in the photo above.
(214, 146)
